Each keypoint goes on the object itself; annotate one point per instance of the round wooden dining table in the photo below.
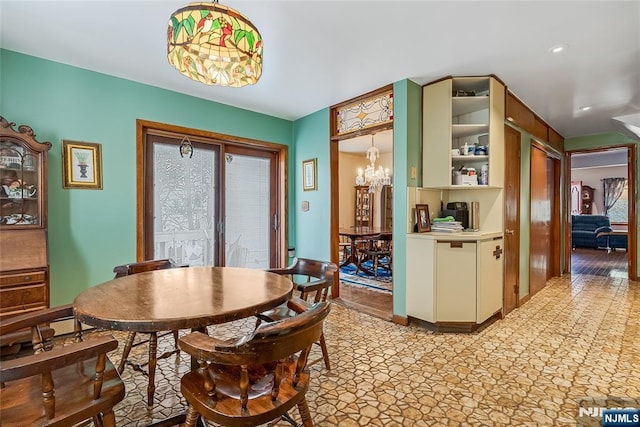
(180, 298)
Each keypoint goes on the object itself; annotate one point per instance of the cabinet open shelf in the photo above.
(461, 105)
(479, 158)
(463, 130)
(461, 112)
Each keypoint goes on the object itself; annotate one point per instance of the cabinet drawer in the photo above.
(22, 278)
(23, 298)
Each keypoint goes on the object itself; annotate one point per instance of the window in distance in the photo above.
(620, 209)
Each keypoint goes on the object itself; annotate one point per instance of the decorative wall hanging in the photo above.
(81, 165)
(309, 171)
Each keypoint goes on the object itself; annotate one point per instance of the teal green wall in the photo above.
(606, 140)
(311, 140)
(407, 153)
(313, 228)
(90, 231)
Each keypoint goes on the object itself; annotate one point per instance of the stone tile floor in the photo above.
(576, 338)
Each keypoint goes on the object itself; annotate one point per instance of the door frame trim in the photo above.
(334, 141)
(632, 177)
(518, 238)
(144, 127)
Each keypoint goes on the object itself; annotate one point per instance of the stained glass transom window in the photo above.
(365, 113)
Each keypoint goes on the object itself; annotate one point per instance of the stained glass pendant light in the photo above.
(215, 45)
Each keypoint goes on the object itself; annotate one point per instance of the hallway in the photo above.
(598, 262)
(575, 338)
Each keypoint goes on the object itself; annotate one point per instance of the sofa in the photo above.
(585, 228)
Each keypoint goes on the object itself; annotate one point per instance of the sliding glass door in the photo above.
(186, 200)
(251, 220)
(219, 206)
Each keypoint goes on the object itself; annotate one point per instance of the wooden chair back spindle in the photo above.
(256, 378)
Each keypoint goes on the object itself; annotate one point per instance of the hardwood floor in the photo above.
(379, 304)
(597, 262)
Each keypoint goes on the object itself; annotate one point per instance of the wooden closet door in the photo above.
(511, 219)
(540, 238)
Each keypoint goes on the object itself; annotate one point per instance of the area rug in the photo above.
(383, 283)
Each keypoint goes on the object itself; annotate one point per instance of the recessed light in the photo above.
(585, 108)
(558, 48)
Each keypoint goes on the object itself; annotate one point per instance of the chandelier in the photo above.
(374, 178)
(215, 45)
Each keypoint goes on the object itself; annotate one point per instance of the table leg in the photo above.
(351, 259)
(127, 349)
(153, 347)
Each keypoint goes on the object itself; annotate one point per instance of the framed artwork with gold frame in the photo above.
(81, 165)
(309, 175)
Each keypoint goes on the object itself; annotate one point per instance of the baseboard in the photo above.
(525, 299)
(456, 327)
(400, 320)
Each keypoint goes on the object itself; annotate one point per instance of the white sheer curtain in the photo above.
(612, 188)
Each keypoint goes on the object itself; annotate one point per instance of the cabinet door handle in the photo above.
(455, 244)
(27, 278)
(507, 231)
(497, 252)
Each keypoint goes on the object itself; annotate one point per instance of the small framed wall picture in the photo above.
(309, 175)
(81, 165)
(423, 220)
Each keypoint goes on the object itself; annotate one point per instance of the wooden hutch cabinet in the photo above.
(364, 207)
(386, 204)
(24, 264)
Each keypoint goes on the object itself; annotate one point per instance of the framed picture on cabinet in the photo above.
(309, 172)
(81, 165)
(422, 218)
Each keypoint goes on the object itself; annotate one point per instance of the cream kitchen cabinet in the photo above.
(454, 281)
(461, 112)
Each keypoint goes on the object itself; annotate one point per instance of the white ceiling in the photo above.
(319, 53)
(612, 157)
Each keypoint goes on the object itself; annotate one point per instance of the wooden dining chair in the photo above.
(62, 386)
(379, 251)
(135, 268)
(255, 378)
(313, 280)
(344, 245)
